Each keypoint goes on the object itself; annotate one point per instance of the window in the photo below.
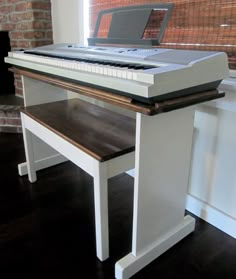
(194, 24)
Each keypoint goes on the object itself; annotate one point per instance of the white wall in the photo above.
(68, 25)
(67, 20)
(212, 183)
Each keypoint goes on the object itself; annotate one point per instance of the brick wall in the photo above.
(29, 25)
(10, 121)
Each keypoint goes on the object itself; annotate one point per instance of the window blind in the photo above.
(194, 24)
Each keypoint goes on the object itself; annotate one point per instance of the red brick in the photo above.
(2, 113)
(28, 15)
(40, 15)
(3, 18)
(29, 5)
(49, 34)
(6, 9)
(16, 17)
(8, 26)
(24, 25)
(39, 5)
(23, 44)
(12, 1)
(48, 15)
(17, 77)
(41, 43)
(42, 25)
(13, 121)
(29, 35)
(13, 114)
(2, 2)
(21, 7)
(34, 35)
(13, 44)
(18, 83)
(19, 92)
(2, 121)
(16, 35)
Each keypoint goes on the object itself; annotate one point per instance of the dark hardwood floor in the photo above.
(47, 229)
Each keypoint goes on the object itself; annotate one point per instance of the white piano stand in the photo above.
(162, 160)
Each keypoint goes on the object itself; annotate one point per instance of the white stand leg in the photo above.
(101, 210)
(162, 159)
(29, 152)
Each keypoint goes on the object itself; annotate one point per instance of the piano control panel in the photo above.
(68, 50)
(146, 74)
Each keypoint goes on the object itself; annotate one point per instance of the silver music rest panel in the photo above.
(128, 25)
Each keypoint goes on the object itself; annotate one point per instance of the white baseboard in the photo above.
(212, 215)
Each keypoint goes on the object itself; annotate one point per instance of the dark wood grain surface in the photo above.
(99, 132)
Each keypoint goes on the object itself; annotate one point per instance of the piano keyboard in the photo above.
(150, 74)
(130, 71)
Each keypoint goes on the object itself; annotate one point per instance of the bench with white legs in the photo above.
(97, 140)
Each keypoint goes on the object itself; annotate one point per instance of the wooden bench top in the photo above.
(99, 132)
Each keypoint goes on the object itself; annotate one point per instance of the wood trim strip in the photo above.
(108, 97)
(190, 100)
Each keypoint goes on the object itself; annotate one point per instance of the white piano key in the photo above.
(124, 74)
(84, 67)
(73, 65)
(77, 66)
(93, 68)
(109, 71)
(135, 74)
(114, 71)
(64, 63)
(105, 70)
(89, 67)
(96, 68)
(101, 70)
(119, 73)
(129, 75)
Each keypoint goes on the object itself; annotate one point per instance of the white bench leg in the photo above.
(29, 152)
(101, 210)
